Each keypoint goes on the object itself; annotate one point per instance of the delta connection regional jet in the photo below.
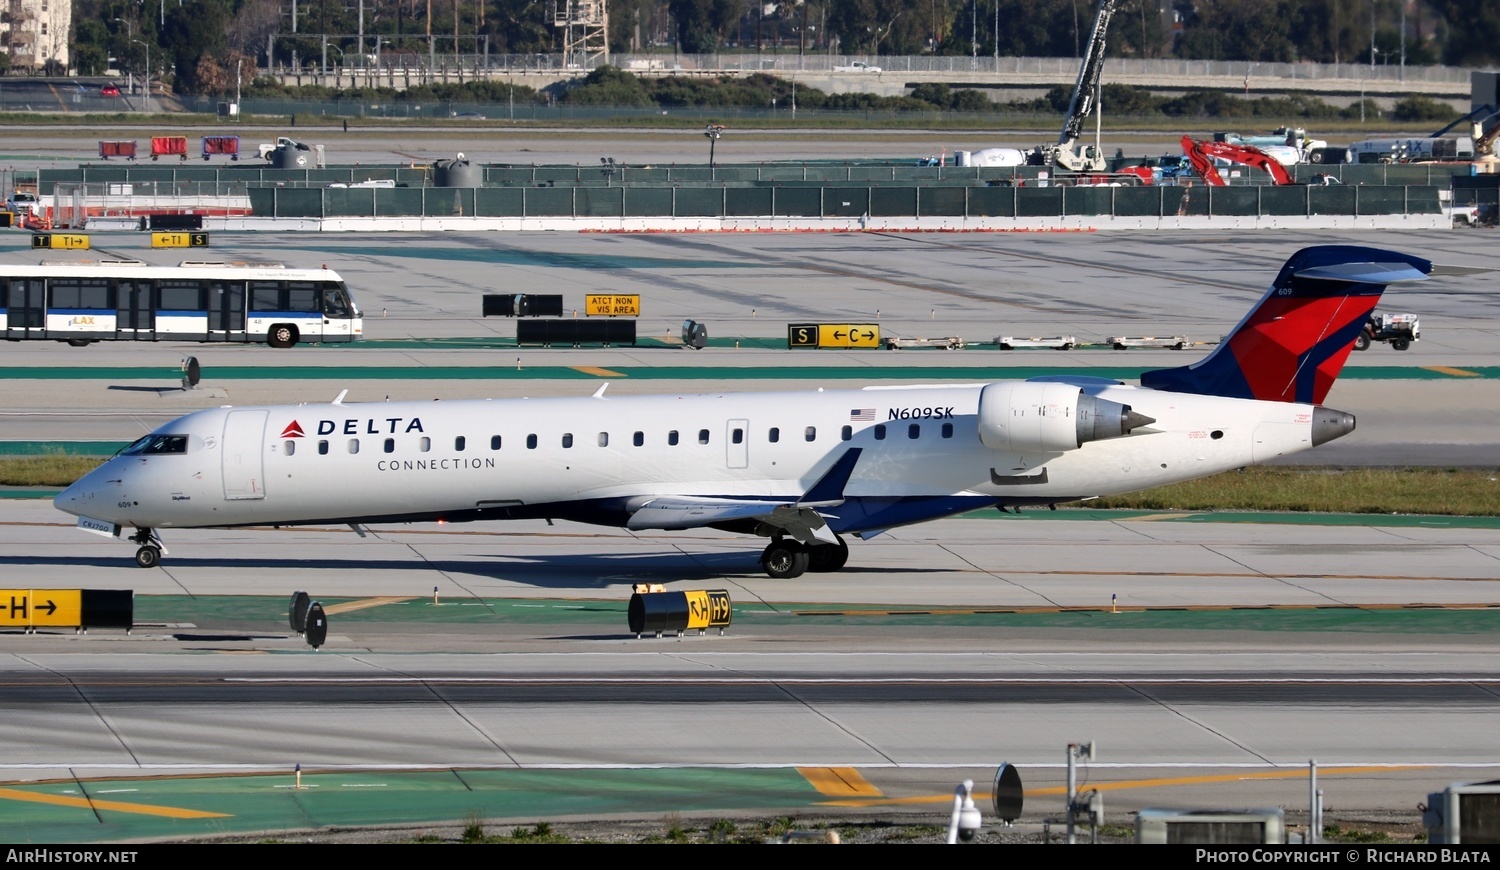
(803, 469)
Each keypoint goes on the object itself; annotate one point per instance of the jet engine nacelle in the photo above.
(1039, 416)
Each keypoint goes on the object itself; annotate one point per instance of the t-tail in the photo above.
(1293, 344)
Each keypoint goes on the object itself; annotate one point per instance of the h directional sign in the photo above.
(23, 608)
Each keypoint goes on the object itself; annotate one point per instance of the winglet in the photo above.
(829, 489)
(1293, 344)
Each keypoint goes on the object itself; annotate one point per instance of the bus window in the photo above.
(80, 293)
(302, 296)
(265, 296)
(180, 296)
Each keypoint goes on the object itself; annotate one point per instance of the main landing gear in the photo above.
(149, 554)
(785, 558)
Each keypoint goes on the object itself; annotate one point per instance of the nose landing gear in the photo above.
(149, 554)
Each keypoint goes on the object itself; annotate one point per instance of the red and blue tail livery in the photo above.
(1292, 346)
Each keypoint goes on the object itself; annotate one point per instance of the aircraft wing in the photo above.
(679, 512)
(797, 517)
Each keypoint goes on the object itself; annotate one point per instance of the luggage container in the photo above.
(225, 145)
(117, 148)
(168, 146)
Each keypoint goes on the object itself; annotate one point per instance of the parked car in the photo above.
(109, 91)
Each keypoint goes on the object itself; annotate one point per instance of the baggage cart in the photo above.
(228, 146)
(168, 146)
(116, 148)
(1056, 342)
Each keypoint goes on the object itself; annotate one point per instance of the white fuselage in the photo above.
(598, 459)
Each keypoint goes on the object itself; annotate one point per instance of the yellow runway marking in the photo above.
(366, 603)
(843, 782)
(1207, 779)
(118, 806)
(597, 372)
(1450, 370)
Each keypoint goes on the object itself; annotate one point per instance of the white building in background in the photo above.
(35, 31)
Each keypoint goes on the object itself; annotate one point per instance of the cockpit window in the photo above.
(157, 445)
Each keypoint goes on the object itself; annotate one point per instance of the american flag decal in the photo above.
(862, 414)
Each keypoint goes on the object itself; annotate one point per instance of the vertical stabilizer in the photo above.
(1293, 344)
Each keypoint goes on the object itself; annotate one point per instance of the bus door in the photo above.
(226, 311)
(26, 316)
(134, 315)
(338, 313)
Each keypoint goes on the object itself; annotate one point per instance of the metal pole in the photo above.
(1072, 790)
(1313, 823)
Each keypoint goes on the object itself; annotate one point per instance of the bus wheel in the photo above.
(281, 335)
(79, 342)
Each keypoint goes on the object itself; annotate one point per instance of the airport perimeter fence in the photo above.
(840, 201)
(184, 180)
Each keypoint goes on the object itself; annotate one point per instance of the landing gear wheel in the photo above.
(281, 335)
(1400, 343)
(1363, 342)
(827, 557)
(148, 557)
(784, 560)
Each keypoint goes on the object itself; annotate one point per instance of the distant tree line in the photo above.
(199, 43)
(610, 87)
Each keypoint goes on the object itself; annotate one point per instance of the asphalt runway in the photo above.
(1245, 648)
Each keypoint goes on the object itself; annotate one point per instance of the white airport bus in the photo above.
(127, 300)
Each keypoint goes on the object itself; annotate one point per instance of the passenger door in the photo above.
(226, 311)
(134, 315)
(27, 309)
(244, 455)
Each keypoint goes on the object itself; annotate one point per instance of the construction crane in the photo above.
(1067, 153)
(1486, 161)
(1201, 154)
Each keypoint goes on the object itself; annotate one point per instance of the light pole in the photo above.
(147, 45)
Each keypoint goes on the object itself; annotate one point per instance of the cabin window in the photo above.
(848, 433)
(603, 439)
(639, 439)
(530, 442)
(702, 436)
(672, 438)
(947, 430)
(914, 431)
(459, 443)
(390, 445)
(353, 445)
(737, 436)
(322, 448)
(811, 434)
(290, 447)
(494, 442)
(879, 431)
(567, 439)
(774, 435)
(425, 444)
